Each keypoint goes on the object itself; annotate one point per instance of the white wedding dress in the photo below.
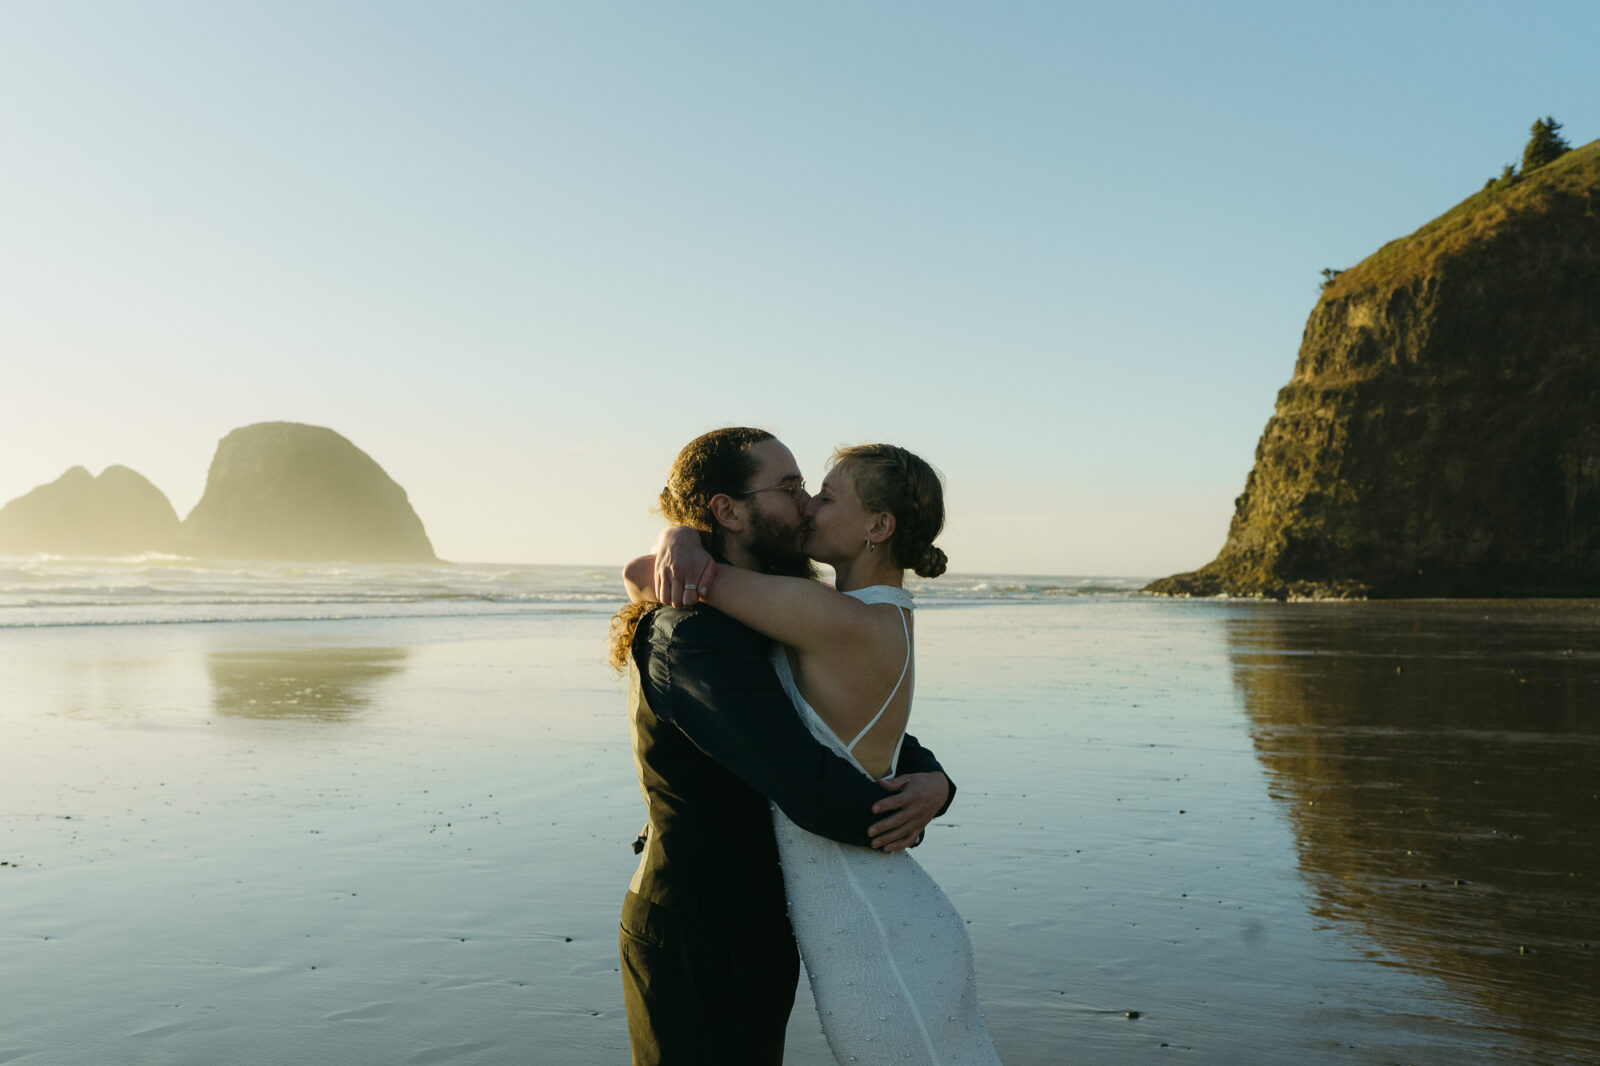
(887, 954)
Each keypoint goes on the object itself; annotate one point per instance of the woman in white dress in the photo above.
(887, 955)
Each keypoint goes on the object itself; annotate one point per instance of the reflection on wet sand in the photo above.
(1439, 763)
(325, 683)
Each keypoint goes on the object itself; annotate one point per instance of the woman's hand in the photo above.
(916, 799)
(683, 567)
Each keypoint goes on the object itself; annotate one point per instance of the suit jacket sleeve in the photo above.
(710, 676)
(916, 759)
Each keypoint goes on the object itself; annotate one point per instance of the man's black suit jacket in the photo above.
(714, 737)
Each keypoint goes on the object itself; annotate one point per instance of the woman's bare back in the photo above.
(847, 687)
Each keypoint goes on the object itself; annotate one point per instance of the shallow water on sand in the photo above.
(1357, 833)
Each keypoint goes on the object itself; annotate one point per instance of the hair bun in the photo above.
(931, 562)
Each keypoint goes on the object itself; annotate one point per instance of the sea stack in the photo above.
(1441, 433)
(117, 513)
(286, 491)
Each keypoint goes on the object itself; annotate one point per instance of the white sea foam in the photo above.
(45, 590)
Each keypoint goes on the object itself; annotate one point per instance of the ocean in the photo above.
(268, 813)
(44, 590)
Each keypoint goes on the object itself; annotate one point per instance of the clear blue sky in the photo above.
(521, 252)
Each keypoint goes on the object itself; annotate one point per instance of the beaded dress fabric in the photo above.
(887, 955)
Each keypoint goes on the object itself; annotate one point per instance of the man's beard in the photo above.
(777, 547)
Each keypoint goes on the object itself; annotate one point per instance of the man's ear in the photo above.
(726, 513)
(882, 527)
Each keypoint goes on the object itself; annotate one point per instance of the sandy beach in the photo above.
(1205, 832)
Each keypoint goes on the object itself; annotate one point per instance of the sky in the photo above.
(520, 253)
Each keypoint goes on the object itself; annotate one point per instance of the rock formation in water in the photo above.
(1441, 433)
(282, 490)
(117, 513)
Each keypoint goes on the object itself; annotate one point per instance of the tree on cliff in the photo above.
(1545, 146)
(1508, 177)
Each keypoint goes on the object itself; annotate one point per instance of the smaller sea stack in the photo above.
(117, 513)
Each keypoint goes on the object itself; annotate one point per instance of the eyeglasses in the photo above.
(796, 490)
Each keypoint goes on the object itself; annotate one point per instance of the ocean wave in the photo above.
(43, 590)
(191, 614)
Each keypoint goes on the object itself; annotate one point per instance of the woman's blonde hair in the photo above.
(889, 478)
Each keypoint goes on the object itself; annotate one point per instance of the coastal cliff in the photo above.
(282, 490)
(117, 513)
(1441, 433)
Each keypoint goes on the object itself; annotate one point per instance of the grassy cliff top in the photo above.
(1472, 221)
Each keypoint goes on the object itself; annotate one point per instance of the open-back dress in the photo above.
(887, 955)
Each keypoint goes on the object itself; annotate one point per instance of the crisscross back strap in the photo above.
(907, 666)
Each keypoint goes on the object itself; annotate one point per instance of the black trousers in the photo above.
(699, 992)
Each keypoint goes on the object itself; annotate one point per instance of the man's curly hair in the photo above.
(712, 464)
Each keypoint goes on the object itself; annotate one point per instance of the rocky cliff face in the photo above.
(117, 513)
(281, 490)
(1441, 433)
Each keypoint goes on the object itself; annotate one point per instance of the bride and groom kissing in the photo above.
(770, 835)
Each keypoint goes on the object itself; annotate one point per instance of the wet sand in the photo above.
(405, 841)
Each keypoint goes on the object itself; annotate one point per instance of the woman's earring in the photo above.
(870, 546)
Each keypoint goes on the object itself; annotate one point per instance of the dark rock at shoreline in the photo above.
(1441, 433)
(282, 490)
(117, 513)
